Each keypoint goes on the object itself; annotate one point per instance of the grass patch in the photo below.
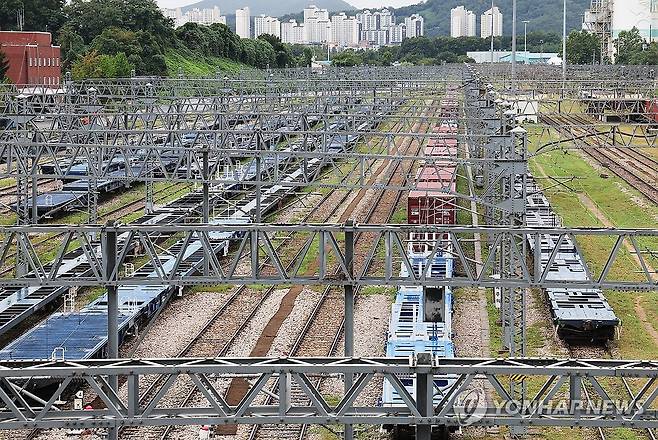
(193, 64)
(379, 290)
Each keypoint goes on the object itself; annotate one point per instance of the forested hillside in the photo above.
(544, 15)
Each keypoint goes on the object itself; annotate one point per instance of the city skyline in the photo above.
(355, 3)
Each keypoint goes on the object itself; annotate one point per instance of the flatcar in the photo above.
(579, 315)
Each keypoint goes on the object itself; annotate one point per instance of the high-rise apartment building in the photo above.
(485, 23)
(243, 22)
(317, 27)
(462, 22)
(344, 30)
(292, 32)
(206, 16)
(415, 26)
(267, 25)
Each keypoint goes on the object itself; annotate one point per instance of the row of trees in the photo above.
(107, 38)
(585, 48)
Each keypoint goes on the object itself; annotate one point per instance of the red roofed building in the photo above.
(33, 60)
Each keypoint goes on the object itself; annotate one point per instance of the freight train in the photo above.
(421, 317)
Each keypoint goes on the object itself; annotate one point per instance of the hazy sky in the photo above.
(356, 3)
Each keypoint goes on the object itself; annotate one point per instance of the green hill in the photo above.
(544, 16)
(196, 65)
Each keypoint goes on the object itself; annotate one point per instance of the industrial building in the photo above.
(33, 60)
(607, 18)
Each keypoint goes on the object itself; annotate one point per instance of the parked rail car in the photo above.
(87, 334)
(83, 334)
(430, 205)
(579, 315)
(408, 333)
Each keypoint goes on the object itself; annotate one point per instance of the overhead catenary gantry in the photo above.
(215, 129)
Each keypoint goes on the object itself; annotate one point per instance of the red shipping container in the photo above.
(427, 205)
(436, 150)
(445, 130)
(652, 110)
(441, 172)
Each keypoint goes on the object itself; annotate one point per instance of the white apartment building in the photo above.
(317, 27)
(205, 16)
(243, 22)
(267, 25)
(377, 21)
(344, 30)
(292, 32)
(485, 23)
(462, 22)
(397, 33)
(415, 26)
(376, 38)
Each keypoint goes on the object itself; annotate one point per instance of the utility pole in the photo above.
(514, 45)
(525, 39)
(564, 44)
(492, 31)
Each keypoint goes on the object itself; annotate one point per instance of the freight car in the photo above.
(579, 315)
(411, 328)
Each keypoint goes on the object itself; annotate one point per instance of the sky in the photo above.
(355, 3)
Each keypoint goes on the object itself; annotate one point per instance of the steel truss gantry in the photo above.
(562, 385)
(385, 254)
(497, 139)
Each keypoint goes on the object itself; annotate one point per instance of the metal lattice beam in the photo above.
(556, 404)
(385, 254)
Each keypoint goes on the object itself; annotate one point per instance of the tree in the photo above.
(629, 46)
(95, 65)
(39, 15)
(283, 55)
(583, 48)
(139, 47)
(308, 56)
(89, 18)
(4, 66)
(347, 58)
(72, 46)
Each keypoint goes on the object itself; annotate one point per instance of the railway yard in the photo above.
(371, 253)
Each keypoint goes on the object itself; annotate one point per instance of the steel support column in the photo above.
(206, 203)
(109, 249)
(424, 394)
(349, 312)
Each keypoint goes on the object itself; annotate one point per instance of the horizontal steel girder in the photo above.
(555, 404)
(384, 253)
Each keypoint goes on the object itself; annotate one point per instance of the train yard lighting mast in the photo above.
(525, 40)
(492, 31)
(564, 43)
(513, 45)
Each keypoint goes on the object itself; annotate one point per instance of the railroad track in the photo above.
(245, 309)
(321, 333)
(635, 167)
